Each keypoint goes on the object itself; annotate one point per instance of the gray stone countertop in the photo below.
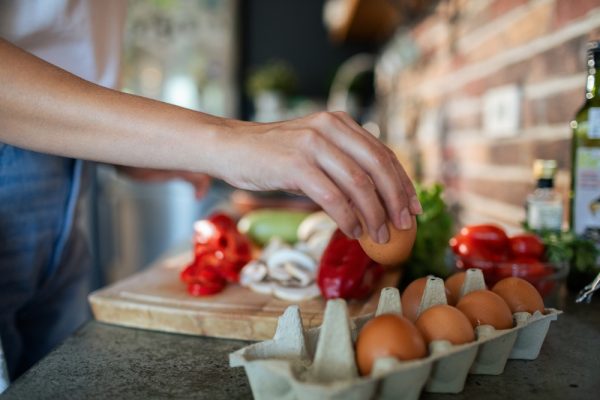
(101, 361)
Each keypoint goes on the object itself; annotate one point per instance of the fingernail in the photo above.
(405, 219)
(415, 204)
(357, 232)
(397, 220)
(383, 235)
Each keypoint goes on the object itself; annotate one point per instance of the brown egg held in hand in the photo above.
(396, 250)
(484, 307)
(443, 322)
(520, 295)
(453, 287)
(388, 335)
(411, 297)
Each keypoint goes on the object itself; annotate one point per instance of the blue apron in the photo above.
(44, 258)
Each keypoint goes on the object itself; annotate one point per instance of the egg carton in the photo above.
(320, 362)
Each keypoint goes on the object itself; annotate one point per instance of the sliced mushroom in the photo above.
(316, 222)
(274, 244)
(317, 243)
(303, 276)
(278, 272)
(263, 287)
(303, 247)
(282, 256)
(254, 271)
(296, 294)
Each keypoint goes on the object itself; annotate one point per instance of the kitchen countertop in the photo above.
(104, 361)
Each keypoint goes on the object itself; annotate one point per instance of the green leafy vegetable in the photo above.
(566, 247)
(580, 253)
(434, 231)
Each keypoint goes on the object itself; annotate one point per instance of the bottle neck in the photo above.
(593, 78)
(545, 183)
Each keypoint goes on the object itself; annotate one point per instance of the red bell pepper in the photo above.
(220, 253)
(346, 271)
(202, 279)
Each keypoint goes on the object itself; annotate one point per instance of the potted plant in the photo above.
(269, 86)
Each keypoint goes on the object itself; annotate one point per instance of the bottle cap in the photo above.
(593, 46)
(544, 169)
(593, 53)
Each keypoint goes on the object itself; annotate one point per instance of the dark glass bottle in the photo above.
(585, 152)
(585, 171)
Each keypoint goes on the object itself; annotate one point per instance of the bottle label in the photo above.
(586, 202)
(594, 123)
(545, 215)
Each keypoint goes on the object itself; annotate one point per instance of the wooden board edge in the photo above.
(181, 321)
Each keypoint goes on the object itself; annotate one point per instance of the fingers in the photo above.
(409, 189)
(357, 186)
(378, 162)
(316, 185)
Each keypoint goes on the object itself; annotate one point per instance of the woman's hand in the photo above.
(331, 159)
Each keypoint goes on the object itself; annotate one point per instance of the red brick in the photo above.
(562, 107)
(556, 109)
(528, 114)
(594, 34)
(565, 59)
(474, 153)
(472, 121)
(569, 10)
(510, 153)
(559, 150)
(535, 23)
(562, 60)
(500, 7)
(514, 193)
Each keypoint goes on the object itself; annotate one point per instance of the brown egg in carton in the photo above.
(320, 362)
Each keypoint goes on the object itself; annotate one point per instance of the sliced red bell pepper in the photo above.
(220, 252)
(202, 279)
(345, 271)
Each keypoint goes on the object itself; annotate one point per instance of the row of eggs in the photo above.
(406, 336)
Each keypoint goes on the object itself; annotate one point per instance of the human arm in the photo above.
(327, 156)
(200, 182)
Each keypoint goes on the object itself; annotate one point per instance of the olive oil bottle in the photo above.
(585, 153)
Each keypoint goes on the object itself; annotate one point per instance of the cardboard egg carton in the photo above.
(320, 362)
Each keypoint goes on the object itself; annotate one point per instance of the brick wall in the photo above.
(436, 80)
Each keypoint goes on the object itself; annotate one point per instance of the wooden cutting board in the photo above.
(156, 299)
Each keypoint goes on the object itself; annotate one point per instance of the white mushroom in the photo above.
(303, 276)
(254, 271)
(278, 272)
(317, 243)
(276, 243)
(296, 294)
(303, 247)
(316, 222)
(263, 287)
(282, 271)
(282, 256)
